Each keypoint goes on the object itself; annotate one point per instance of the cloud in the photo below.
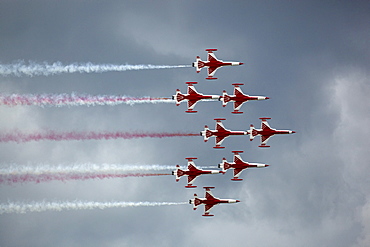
(351, 91)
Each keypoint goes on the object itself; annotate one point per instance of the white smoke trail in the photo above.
(41, 169)
(75, 99)
(45, 69)
(21, 208)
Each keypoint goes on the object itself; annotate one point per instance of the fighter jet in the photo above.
(220, 133)
(238, 165)
(209, 201)
(192, 172)
(192, 97)
(213, 64)
(239, 98)
(265, 132)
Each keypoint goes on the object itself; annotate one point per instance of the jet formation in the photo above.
(238, 165)
(220, 132)
(193, 96)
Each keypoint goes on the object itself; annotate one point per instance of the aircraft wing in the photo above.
(264, 139)
(207, 208)
(238, 159)
(238, 105)
(191, 179)
(191, 166)
(238, 91)
(220, 126)
(212, 57)
(219, 140)
(212, 71)
(192, 90)
(265, 125)
(237, 172)
(208, 195)
(191, 104)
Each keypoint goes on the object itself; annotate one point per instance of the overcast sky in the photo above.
(311, 58)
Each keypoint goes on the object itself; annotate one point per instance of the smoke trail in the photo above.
(39, 169)
(19, 137)
(45, 69)
(21, 208)
(74, 99)
(46, 173)
(27, 178)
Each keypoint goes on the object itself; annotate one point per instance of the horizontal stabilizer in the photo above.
(190, 186)
(191, 158)
(263, 146)
(218, 147)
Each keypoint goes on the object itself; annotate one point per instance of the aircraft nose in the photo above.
(237, 201)
(293, 131)
(267, 165)
(241, 63)
(267, 98)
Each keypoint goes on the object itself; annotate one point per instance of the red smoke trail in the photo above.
(20, 137)
(27, 178)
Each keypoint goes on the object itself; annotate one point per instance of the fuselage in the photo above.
(224, 133)
(197, 97)
(244, 98)
(220, 63)
(270, 132)
(244, 165)
(196, 172)
(211, 201)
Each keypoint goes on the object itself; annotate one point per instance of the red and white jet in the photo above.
(192, 97)
(239, 98)
(192, 172)
(213, 64)
(238, 165)
(265, 132)
(220, 133)
(209, 201)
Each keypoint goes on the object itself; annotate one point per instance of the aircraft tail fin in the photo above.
(178, 173)
(252, 132)
(225, 98)
(206, 133)
(198, 64)
(178, 97)
(196, 201)
(224, 165)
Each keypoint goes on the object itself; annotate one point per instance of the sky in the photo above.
(311, 58)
